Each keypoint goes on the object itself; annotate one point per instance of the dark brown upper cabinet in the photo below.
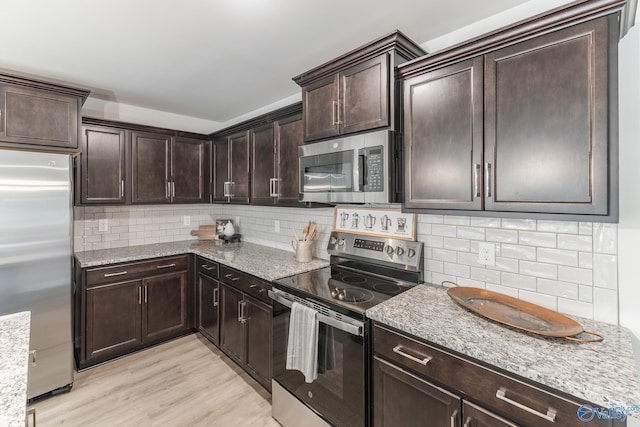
(274, 162)
(168, 169)
(102, 172)
(231, 169)
(39, 115)
(356, 91)
(526, 126)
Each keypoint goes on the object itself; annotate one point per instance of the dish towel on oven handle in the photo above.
(302, 345)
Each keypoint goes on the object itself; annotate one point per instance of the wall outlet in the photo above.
(487, 253)
(103, 225)
(276, 226)
(186, 220)
(237, 220)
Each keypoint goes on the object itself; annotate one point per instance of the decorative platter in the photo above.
(519, 314)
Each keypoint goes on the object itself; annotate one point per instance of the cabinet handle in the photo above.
(32, 357)
(215, 296)
(232, 187)
(333, 113)
(467, 422)
(231, 277)
(454, 416)
(139, 295)
(339, 109)
(225, 189)
(398, 349)
(119, 273)
(273, 184)
(31, 411)
(487, 172)
(549, 416)
(121, 188)
(476, 179)
(173, 189)
(1, 122)
(146, 293)
(167, 191)
(165, 266)
(240, 312)
(208, 267)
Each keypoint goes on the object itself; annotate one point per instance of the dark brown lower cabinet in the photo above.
(208, 308)
(245, 324)
(113, 319)
(126, 307)
(403, 399)
(418, 384)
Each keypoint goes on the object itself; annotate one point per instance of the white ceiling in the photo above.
(209, 59)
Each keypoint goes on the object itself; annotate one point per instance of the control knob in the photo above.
(389, 250)
(399, 251)
(332, 240)
(411, 253)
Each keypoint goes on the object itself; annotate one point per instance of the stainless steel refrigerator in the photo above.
(36, 221)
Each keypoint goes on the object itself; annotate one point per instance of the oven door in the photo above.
(339, 393)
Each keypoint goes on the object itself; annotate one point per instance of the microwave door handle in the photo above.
(362, 170)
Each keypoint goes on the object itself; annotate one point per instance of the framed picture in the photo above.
(375, 222)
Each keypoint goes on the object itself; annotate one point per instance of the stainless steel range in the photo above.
(364, 271)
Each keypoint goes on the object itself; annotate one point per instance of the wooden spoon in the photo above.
(305, 232)
(312, 230)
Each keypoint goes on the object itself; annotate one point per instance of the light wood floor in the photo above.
(185, 382)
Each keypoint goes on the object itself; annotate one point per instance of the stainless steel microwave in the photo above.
(353, 169)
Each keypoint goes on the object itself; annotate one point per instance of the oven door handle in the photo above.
(354, 328)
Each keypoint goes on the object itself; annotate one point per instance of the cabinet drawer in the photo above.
(524, 403)
(127, 271)
(246, 283)
(208, 268)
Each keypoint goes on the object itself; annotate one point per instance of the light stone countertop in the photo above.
(600, 373)
(14, 366)
(261, 261)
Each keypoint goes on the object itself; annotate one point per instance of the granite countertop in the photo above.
(261, 261)
(601, 373)
(14, 366)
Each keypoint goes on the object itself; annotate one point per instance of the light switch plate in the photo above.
(276, 225)
(103, 225)
(186, 220)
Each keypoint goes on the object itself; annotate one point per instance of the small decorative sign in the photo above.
(375, 222)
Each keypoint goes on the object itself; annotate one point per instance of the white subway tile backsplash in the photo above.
(581, 276)
(501, 236)
(534, 238)
(605, 271)
(518, 251)
(559, 289)
(605, 239)
(519, 224)
(558, 256)
(519, 281)
(570, 265)
(605, 305)
(539, 269)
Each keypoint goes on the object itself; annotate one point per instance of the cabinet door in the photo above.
(239, 168)
(150, 168)
(232, 339)
(364, 95)
(258, 329)
(547, 128)
(476, 416)
(289, 137)
(320, 109)
(208, 307)
(38, 117)
(102, 165)
(262, 166)
(220, 173)
(113, 314)
(189, 171)
(443, 122)
(165, 302)
(403, 399)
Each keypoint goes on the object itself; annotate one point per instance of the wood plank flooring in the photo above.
(184, 382)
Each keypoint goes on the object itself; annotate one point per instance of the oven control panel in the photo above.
(399, 253)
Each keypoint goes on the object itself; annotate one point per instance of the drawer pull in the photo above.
(119, 273)
(230, 277)
(398, 349)
(549, 416)
(208, 267)
(165, 266)
(454, 417)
